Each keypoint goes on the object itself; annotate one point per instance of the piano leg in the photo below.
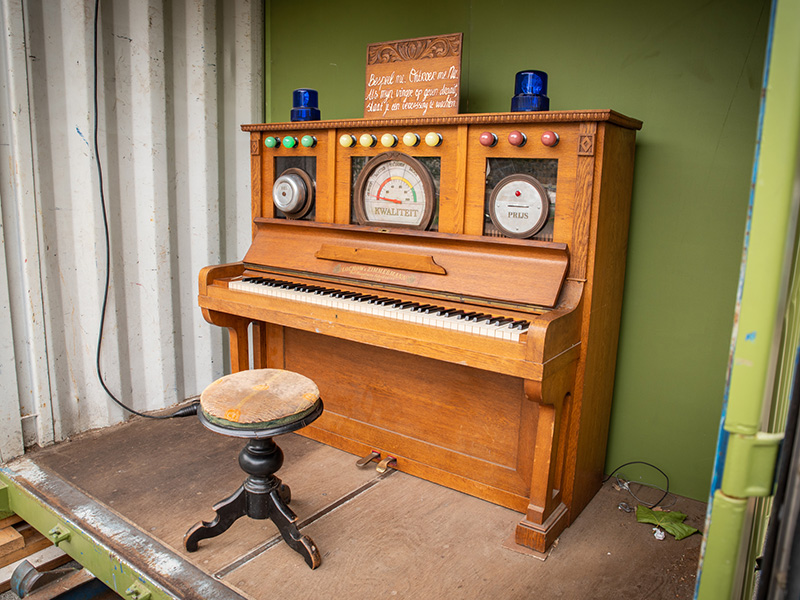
(547, 516)
(259, 345)
(237, 336)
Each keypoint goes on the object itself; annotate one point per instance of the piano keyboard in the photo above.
(476, 323)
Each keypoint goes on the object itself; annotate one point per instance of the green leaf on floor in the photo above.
(669, 521)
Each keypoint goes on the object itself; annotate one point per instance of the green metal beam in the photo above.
(127, 560)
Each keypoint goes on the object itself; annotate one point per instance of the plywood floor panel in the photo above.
(395, 536)
(408, 538)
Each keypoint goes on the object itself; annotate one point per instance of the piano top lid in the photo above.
(522, 272)
(562, 116)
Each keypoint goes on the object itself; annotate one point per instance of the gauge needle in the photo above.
(390, 200)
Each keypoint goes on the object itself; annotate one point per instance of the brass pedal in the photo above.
(390, 462)
(363, 462)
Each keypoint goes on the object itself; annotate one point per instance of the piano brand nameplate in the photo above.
(381, 274)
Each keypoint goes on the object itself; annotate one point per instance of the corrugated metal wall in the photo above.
(176, 79)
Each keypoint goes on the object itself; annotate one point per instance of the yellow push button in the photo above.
(433, 139)
(411, 139)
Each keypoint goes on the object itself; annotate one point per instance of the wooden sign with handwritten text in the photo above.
(420, 77)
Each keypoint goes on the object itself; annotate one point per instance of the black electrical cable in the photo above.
(181, 412)
(641, 462)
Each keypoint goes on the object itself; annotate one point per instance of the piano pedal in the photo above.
(390, 462)
(363, 462)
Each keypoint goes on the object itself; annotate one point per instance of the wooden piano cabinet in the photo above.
(518, 421)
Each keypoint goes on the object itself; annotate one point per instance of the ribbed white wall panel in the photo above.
(176, 79)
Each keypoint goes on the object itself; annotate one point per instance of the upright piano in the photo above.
(454, 287)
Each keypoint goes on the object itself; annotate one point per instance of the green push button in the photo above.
(289, 142)
(308, 141)
(272, 142)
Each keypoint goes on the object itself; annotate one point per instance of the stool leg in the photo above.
(227, 511)
(285, 493)
(285, 520)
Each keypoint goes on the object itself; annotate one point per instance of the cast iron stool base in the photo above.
(262, 496)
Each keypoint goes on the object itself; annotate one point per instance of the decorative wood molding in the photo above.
(586, 145)
(566, 116)
(441, 46)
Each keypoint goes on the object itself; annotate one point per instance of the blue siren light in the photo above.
(304, 103)
(530, 92)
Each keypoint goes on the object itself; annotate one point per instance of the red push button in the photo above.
(549, 138)
(517, 138)
(488, 139)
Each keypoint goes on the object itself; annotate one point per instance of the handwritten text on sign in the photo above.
(413, 78)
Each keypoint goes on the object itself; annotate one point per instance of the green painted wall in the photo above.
(692, 72)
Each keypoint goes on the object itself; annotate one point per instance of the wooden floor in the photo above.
(379, 536)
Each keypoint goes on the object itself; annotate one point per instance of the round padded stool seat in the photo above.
(258, 400)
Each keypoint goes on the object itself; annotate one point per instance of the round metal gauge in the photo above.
(394, 190)
(293, 193)
(519, 206)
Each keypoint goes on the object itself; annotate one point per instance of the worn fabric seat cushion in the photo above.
(259, 399)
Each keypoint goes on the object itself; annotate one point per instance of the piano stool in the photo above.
(258, 405)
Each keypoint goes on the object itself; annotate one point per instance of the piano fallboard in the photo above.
(526, 274)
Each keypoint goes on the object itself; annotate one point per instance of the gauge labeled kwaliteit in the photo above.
(394, 190)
